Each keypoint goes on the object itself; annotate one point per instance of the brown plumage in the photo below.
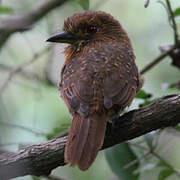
(99, 79)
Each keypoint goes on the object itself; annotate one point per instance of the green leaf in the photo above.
(143, 95)
(36, 178)
(120, 156)
(177, 128)
(163, 164)
(177, 12)
(165, 173)
(5, 10)
(57, 130)
(84, 4)
(171, 86)
(174, 85)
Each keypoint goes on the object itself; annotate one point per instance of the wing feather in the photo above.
(120, 85)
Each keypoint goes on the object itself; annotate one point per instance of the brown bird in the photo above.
(99, 79)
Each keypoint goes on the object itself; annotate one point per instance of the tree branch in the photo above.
(24, 22)
(146, 4)
(172, 18)
(159, 58)
(32, 76)
(21, 67)
(41, 159)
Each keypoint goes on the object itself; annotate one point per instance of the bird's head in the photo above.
(90, 26)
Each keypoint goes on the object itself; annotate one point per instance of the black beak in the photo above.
(63, 37)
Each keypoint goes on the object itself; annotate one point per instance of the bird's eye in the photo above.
(91, 30)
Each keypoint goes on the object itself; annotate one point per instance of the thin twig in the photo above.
(29, 76)
(157, 60)
(163, 55)
(165, 162)
(34, 131)
(152, 151)
(25, 21)
(158, 133)
(172, 18)
(136, 160)
(146, 4)
(21, 67)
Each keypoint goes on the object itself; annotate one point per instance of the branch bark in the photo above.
(24, 22)
(41, 159)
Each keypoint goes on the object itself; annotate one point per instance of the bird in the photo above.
(99, 79)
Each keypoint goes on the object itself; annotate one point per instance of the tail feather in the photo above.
(94, 141)
(85, 139)
(76, 139)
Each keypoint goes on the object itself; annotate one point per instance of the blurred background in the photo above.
(31, 110)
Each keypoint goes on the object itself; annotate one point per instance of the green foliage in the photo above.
(57, 130)
(5, 10)
(177, 128)
(36, 178)
(163, 164)
(146, 97)
(165, 173)
(174, 86)
(84, 4)
(118, 157)
(143, 95)
(177, 12)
